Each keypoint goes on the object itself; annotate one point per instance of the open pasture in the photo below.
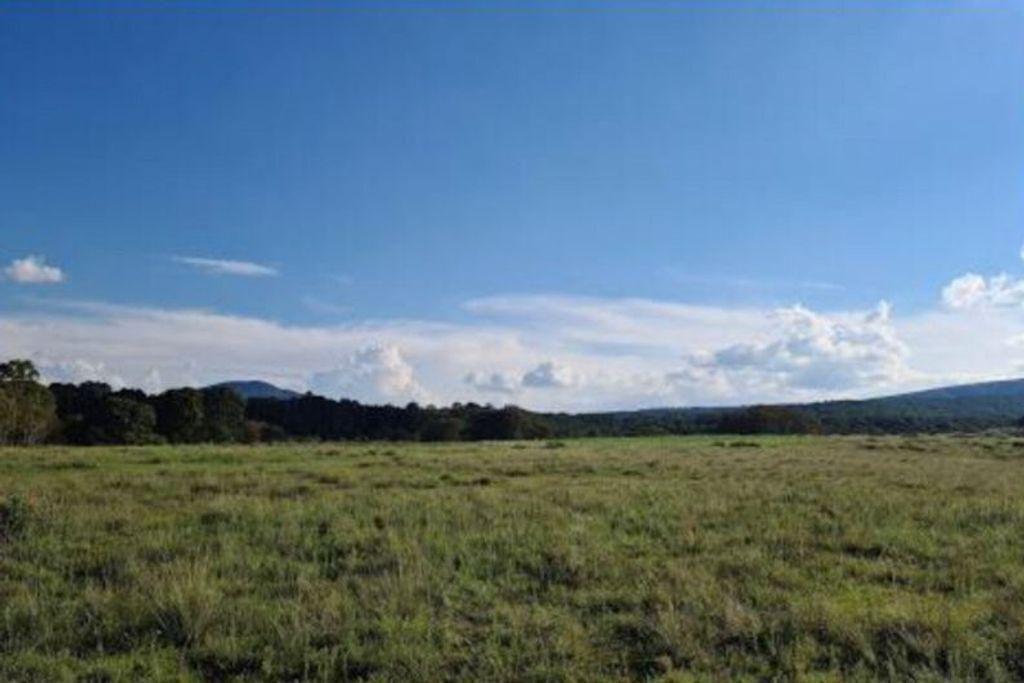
(809, 558)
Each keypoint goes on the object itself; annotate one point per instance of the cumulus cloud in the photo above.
(227, 267)
(550, 375)
(810, 351)
(33, 270)
(375, 374)
(547, 375)
(974, 291)
(493, 383)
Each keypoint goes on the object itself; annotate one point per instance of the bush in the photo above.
(262, 432)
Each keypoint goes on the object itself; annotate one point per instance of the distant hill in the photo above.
(966, 407)
(1010, 388)
(960, 407)
(257, 389)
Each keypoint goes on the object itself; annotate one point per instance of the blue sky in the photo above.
(387, 168)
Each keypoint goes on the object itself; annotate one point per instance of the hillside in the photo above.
(967, 407)
(248, 389)
(1010, 388)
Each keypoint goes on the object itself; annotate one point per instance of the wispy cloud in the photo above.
(227, 267)
(33, 270)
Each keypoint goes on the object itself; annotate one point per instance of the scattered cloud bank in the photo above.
(227, 267)
(562, 354)
(811, 351)
(548, 352)
(33, 270)
(547, 375)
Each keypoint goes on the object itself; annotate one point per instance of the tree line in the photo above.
(93, 413)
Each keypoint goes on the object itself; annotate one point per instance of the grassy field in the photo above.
(671, 558)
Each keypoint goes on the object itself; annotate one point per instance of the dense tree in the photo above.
(441, 428)
(18, 370)
(8, 415)
(769, 420)
(125, 420)
(80, 411)
(507, 423)
(27, 409)
(180, 415)
(223, 415)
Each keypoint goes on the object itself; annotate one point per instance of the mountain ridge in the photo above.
(255, 388)
(988, 393)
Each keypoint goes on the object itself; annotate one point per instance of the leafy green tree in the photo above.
(510, 422)
(8, 415)
(769, 420)
(223, 415)
(27, 410)
(180, 415)
(127, 421)
(81, 411)
(18, 370)
(442, 429)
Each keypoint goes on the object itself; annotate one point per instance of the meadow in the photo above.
(685, 558)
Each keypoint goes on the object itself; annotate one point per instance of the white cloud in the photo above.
(493, 383)
(548, 352)
(375, 374)
(546, 375)
(33, 270)
(550, 375)
(810, 351)
(227, 267)
(76, 371)
(973, 291)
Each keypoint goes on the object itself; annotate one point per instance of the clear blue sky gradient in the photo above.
(395, 161)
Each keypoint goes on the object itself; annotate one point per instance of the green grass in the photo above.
(675, 558)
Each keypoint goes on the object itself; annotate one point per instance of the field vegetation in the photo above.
(810, 558)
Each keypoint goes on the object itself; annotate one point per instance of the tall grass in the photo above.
(674, 559)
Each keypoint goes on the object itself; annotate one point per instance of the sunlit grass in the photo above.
(682, 558)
